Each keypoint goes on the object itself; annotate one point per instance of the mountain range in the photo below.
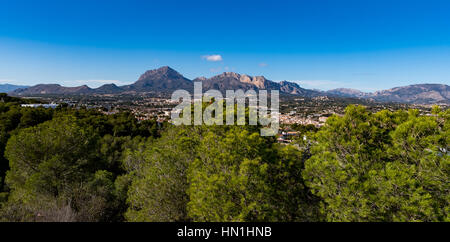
(418, 93)
(167, 80)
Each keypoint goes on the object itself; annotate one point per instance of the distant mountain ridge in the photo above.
(10, 87)
(167, 80)
(347, 92)
(417, 93)
(108, 89)
(52, 89)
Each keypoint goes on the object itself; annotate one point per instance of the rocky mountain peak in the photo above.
(161, 79)
(230, 74)
(258, 81)
(162, 72)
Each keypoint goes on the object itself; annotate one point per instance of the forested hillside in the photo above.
(68, 164)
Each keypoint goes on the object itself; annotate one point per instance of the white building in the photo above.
(52, 105)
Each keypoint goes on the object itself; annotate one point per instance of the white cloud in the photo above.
(213, 58)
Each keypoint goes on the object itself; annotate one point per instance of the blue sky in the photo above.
(368, 45)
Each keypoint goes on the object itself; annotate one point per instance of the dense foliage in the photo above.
(68, 164)
(382, 167)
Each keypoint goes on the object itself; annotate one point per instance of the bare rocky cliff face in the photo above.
(234, 81)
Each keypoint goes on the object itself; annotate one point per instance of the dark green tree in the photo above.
(158, 170)
(55, 176)
(381, 167)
